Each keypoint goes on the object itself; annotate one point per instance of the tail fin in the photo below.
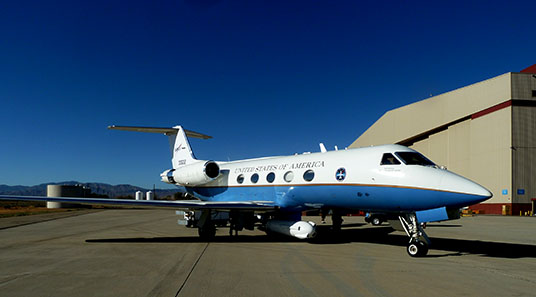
(181, 152)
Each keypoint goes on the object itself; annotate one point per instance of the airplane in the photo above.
(394, 180)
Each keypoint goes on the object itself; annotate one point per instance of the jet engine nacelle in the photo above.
(195, 174)
(298, 229)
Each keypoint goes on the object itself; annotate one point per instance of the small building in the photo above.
(485, 131)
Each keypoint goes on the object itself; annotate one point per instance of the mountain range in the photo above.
(112, 191)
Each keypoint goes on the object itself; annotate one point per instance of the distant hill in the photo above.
(96, 188)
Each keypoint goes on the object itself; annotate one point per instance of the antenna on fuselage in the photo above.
(322, 148)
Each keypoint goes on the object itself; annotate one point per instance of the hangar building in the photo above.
(485, 131)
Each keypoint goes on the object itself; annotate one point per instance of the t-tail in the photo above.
(186, 170)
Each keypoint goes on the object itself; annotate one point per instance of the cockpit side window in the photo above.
(414, 158)
(389, 159)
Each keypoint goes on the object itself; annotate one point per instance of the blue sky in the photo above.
(261, 77)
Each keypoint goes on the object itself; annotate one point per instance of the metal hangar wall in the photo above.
(485, 131)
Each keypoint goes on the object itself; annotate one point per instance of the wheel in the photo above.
(191, 223)
(417, 248)
(376, 221)
(207, 232)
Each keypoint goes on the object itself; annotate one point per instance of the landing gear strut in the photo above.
(205, 227)
(337, 220)
(419, 241)
(235, 223)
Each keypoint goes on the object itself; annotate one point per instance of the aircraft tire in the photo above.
(207, 232)
(376, 221)
(417, 249)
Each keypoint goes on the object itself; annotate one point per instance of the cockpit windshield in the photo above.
(413, 158)
(389, 159)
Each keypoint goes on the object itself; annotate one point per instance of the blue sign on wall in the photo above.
(505, 192)
(520, 191)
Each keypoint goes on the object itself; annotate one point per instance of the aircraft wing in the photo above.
(176, 204)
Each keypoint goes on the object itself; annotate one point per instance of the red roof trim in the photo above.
(530, 69)
(491, 109)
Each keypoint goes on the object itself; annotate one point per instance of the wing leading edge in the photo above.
(176, 204)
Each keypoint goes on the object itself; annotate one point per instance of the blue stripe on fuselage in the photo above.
(359, 197)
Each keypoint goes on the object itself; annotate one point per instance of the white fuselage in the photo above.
(353, 178)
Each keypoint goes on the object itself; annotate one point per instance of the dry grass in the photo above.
(27, 210)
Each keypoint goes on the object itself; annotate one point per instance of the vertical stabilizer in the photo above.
(181, 151)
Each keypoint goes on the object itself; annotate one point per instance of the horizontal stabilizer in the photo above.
(159, 130)
(177, 204)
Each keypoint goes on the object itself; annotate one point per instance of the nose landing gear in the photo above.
(419, 241)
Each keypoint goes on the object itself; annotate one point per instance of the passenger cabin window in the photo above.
(255, 178)
(389, 159)
(289, 175)
(309, 175)
(413, 158)
(270, 177)
(240, 179)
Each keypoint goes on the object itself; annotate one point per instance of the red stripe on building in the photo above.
(497, 208)
(491, 109)
(530, 69)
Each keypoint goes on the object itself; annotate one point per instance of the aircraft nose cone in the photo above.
(458, 184)
(481, 191)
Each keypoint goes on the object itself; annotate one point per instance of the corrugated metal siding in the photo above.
(524, 153)
(399, 125)
(522, 86)
(459, 148)
(490, 153)
(478, 149)
(481, 148)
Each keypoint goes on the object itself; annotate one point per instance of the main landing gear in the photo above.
(205, 227)
(337, 220)
(236, 223)
(419, 241)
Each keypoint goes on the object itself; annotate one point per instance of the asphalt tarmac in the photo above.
(145, 253)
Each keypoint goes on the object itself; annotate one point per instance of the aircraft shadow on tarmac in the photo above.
(376, 235)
